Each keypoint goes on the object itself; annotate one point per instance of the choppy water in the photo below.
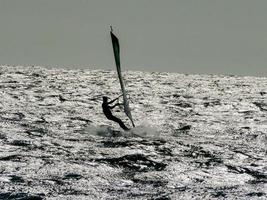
(198, 136)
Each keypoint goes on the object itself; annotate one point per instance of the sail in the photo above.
(116, 50)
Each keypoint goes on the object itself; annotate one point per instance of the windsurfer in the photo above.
(107, 111)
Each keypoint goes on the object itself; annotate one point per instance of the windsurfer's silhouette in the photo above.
(107, 111)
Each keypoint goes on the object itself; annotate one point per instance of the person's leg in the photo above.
(122, 125)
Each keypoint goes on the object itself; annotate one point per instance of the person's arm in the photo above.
(114, 99)
(117, 104)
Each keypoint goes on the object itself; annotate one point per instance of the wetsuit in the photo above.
(107, 111)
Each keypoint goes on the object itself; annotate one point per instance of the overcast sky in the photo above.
(184, 36)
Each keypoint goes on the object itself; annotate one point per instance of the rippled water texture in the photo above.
(197, 136)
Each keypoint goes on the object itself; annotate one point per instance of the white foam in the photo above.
(144, 130)
(103, 131)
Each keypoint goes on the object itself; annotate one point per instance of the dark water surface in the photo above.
(198, 136)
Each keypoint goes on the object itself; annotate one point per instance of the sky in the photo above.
(183, 36)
